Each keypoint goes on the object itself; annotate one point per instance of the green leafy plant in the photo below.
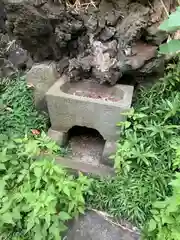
(172, 24)
(149, 131)
(165, 223)
(37, 197)
(17, 111)
(146, 152)
(130, 196)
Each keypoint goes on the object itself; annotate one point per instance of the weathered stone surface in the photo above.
(59, 137)
(67, 109)
(154, 35)
(131, 28)
(109, 150)
(98, 40)
(93, 226)
(44, 30)
(6, 68)
(142, 53)
(100, 170)
(107, 33)
(15, 57)
(20, 58)
(42, 76)
(2, 17)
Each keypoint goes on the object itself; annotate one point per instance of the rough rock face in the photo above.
(2, 17)
(12, 56)
(104, 41)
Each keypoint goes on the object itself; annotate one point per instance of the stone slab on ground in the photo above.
(93, 226)
(42, 76)
(100, 170)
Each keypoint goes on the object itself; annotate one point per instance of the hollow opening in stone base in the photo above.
(86, 145)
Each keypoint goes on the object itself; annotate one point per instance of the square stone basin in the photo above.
(93, 90)
(89, 105)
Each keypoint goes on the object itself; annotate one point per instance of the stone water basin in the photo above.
(87, 104)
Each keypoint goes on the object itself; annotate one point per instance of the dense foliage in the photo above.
(145, 160)
(36, 196)
(165, 223)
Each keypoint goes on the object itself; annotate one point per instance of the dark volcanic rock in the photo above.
(35, 32)
(20, 58)
(100, 42)
(6, 68)
(14, 56)
(2, 17)
(44, 32)
(107, 33)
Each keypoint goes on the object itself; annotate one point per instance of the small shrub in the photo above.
(37, 197)
(165, 223)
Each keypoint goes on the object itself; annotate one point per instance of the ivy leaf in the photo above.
(171, 47)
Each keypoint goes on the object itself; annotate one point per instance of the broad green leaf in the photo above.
(7, 218)
(16, 213)
(160, 204)
(6, 206)
(81, 210)
(152, 225)
(55, 231)
(64, 216)
(38, 172)
(48, 219)
(171, 47)
(2, 187)
(66, 191)
(2, 166)
(168, 220)
(62, 227)
(38, 235)
(172, 23)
